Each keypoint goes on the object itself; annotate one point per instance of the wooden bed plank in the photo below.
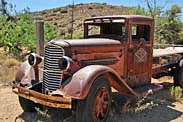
(166, 52)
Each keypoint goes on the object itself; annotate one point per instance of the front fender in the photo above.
(79, 84)
(25, 73)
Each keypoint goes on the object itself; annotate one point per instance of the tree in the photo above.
(3, 9)
(174, 13)
(154, 7)
(6, 9)
(18, 36)
(137, 11)
(168, 24)
(171, 28)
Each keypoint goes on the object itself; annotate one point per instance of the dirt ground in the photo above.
(156, 108)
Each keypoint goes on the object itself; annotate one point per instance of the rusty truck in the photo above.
(116, 52)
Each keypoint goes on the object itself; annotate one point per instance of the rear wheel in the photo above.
(96, 106)
(27, 105)
(178, 74)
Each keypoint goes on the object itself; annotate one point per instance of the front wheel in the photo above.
(178, 74)
(27, 105)
(96, 106)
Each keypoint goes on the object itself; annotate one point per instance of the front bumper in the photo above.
(46, 100)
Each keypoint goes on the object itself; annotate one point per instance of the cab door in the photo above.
(140, 53)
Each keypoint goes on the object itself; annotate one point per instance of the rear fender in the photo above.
(80, 83)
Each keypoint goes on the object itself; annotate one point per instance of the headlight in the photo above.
(34, 59)
(64, 63)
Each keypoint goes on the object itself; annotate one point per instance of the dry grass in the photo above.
(8, 67)
(11, 62)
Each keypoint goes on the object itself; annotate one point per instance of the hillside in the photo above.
(61, 17)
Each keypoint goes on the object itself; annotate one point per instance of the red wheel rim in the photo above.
(101, 105)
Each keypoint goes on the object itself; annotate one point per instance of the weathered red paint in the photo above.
(129, 63)
(79, 84)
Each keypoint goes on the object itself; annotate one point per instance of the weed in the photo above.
(175, 92)
(139, 104)
(144, 103)
(43, 113)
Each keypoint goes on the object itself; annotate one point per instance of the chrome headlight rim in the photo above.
(67, 60)
(34, 59)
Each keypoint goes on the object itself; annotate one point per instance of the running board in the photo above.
(147, 89)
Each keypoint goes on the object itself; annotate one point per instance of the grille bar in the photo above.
(52, 74)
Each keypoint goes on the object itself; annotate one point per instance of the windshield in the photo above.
(106, 30)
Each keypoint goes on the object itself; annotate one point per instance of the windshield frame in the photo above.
(101, 21)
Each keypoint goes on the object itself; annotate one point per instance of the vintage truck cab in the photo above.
(78, 74)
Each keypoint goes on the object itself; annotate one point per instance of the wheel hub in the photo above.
(101, 105)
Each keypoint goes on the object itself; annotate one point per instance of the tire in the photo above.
(178, 75)
(27, 105)
(99, 98)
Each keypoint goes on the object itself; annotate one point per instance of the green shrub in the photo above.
(18, 36)
(77, 35)
(175, 92)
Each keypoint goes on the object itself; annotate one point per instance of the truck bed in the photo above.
(165, 59)
(167, 51)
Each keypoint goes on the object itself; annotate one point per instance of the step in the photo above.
(147, 89)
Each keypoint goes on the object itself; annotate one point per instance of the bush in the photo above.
(18, 36)
(175, 92)
(90, 8)
(56, 10)
(63, 11)
(77, 35)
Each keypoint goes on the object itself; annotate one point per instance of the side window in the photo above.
(134, 30)
(123, 31)
(140, 33)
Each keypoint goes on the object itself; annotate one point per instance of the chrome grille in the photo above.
(52, 74)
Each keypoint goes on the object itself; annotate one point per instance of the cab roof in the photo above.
(129, 17)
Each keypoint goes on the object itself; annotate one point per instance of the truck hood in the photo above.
(86, 42)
